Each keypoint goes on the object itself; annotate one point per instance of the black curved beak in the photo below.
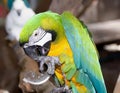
(35, 51)
(19, 12)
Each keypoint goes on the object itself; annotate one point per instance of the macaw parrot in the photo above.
(63, 36)
(16, 18)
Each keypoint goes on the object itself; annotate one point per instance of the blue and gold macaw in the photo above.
(65, 37)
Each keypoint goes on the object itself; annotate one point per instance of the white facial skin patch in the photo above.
(46, 38)
(40, 37)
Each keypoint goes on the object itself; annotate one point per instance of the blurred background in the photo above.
(103, 20)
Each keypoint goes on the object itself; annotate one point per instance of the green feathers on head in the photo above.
(47, 20)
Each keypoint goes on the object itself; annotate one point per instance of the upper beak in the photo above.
(35, 51)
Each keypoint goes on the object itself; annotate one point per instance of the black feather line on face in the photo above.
(22, 44)
(54, 34)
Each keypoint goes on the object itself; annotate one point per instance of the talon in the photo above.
(42, 66)
(56, 60)
(47, 64)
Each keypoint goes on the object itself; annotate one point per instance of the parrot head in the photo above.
(18, 6)
(39, 43)
(39, 32)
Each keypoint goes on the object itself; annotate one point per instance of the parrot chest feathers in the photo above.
(59, 48)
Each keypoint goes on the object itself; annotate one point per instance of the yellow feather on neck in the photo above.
(57, 49)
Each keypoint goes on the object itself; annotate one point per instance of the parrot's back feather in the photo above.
(81, 83)
(84, 51)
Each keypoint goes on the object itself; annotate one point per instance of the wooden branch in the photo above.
(77, 7)
(105, 31)
(82, 8)
(31, 65)
(117, 87)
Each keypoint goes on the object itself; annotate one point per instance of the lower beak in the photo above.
(31, 51)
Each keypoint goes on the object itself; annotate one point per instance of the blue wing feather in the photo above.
(84, 50)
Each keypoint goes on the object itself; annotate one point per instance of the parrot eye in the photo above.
(36, 34)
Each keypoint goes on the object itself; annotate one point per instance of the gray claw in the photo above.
(50, 62)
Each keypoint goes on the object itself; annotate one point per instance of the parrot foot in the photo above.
(47, 64)
(61, 90)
